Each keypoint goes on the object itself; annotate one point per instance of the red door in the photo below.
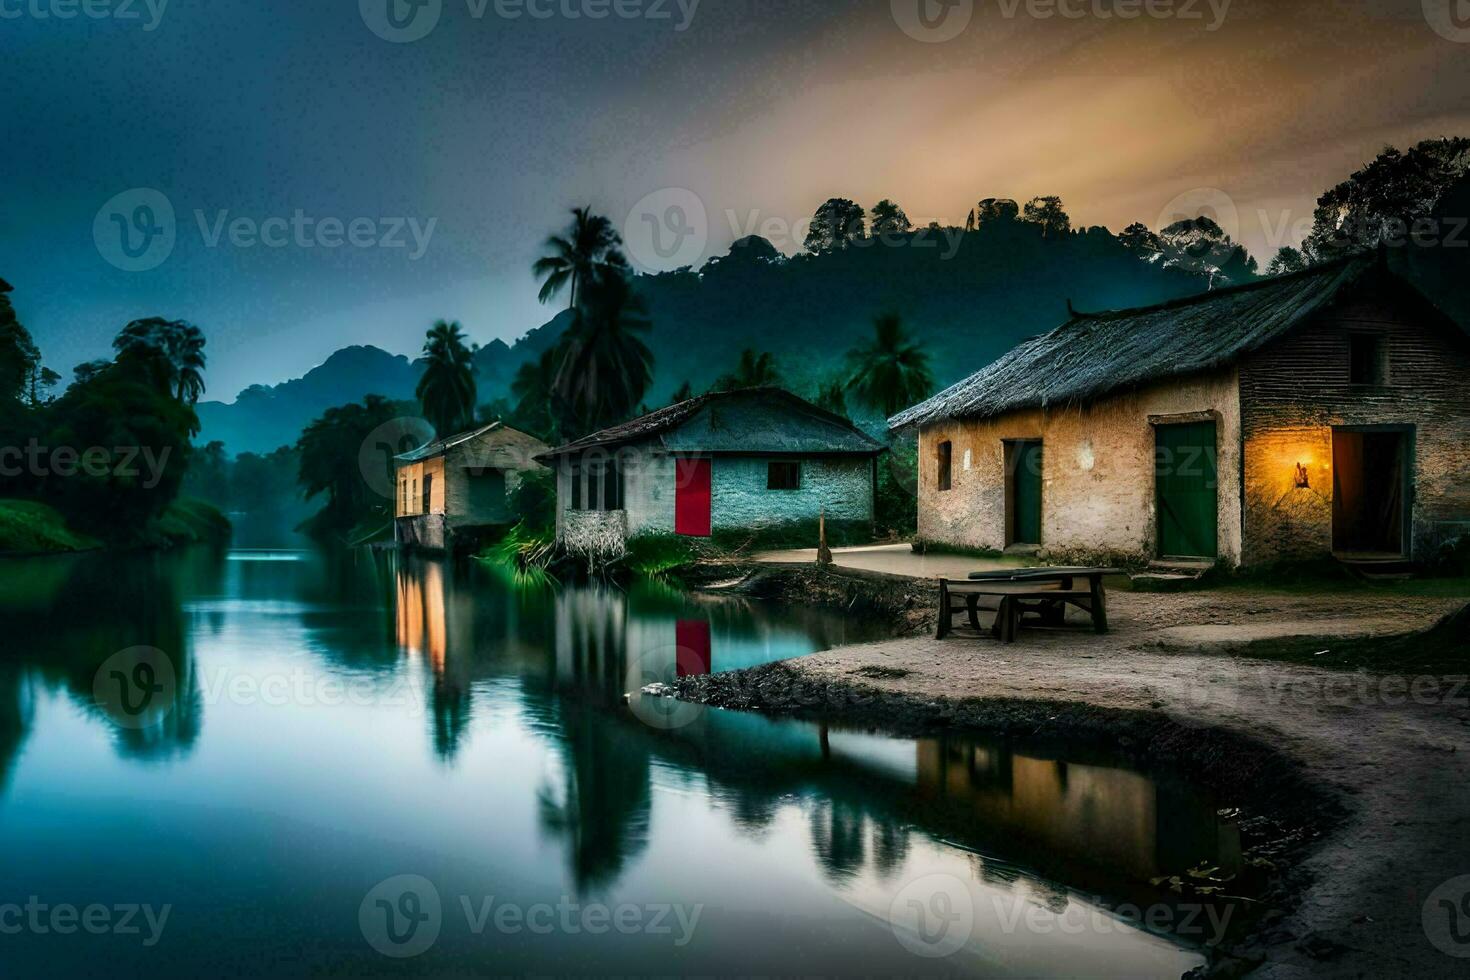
(692, 497)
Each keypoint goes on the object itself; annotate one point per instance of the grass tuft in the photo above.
(28, 527)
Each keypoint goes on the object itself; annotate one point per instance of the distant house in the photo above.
(747, 459)
(452, 489)
(1316, 414)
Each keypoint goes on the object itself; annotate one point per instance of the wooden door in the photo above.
(692, 497)
(1187, 483)
(1025, 492)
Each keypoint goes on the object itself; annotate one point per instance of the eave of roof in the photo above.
(441, 446)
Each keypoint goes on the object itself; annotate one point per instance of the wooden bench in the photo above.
(1045, 591)
(963, 598)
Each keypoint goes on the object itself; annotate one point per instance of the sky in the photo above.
(299, 177)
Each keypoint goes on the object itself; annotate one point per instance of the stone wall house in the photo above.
(1310, 415)
(452, 490)
(749, 459)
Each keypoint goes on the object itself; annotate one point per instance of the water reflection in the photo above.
(1085, 818)
(517, 753)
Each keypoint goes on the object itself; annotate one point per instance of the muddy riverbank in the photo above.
(1353, 786)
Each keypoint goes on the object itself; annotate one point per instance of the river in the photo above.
(286, 763)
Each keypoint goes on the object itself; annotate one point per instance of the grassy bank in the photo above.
(28, 527)
(188, 521)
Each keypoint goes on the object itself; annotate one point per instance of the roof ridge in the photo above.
(1212, 294)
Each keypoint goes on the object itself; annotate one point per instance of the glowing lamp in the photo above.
(1302, 481)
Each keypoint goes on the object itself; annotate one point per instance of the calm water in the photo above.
(324, 765)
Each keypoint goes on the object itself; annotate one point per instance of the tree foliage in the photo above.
(837, 224)
(1286, 259)
(1049, 214)
(1382, 201)
(110, 453)
(995, 209)
(330, 451)
(604, 365)
(170, 352)
(446, 392)
(587, 250)
(889, 219)
(755, 369)
(19, 358)
(892, 372)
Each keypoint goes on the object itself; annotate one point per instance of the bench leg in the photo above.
(972, 605)
(1007, 617)
(942, 629)
(1099, 607)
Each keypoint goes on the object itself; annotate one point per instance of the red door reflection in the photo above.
(691, 637)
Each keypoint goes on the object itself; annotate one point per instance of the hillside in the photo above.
(969, 297)
(264, 417)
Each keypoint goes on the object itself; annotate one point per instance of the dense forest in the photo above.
(102, 463)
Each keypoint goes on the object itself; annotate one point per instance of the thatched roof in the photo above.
(1096, 354)
(749, 420)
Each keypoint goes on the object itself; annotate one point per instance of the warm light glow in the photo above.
(1303, 482)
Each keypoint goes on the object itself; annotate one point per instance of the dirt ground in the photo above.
(1393, 749)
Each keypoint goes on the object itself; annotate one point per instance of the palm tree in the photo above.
(604, 367)
(447, 389)
(586, 251)
(892, 372)
(532, 390)
(832, 396)
(755, 370)
(171, 351)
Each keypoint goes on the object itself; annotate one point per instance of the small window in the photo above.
(576, 480)
(783, 475)
(945, 452)
(1367, 359)
(429, 493)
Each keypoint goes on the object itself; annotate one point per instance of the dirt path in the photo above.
(1395, 750)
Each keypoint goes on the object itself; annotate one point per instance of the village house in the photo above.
(755, 458)
(1310, 415)
(450, 491)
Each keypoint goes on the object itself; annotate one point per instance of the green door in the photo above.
(1188, 490)
(1025, 493)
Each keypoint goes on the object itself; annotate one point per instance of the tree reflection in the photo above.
(72, 614)
(601, 809)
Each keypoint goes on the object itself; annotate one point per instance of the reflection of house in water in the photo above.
(1098, 814)
(460, 633)
(600, 645)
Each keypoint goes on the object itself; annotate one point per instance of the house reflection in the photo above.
(576, 653)
(1109, 815)
(1091, 821)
